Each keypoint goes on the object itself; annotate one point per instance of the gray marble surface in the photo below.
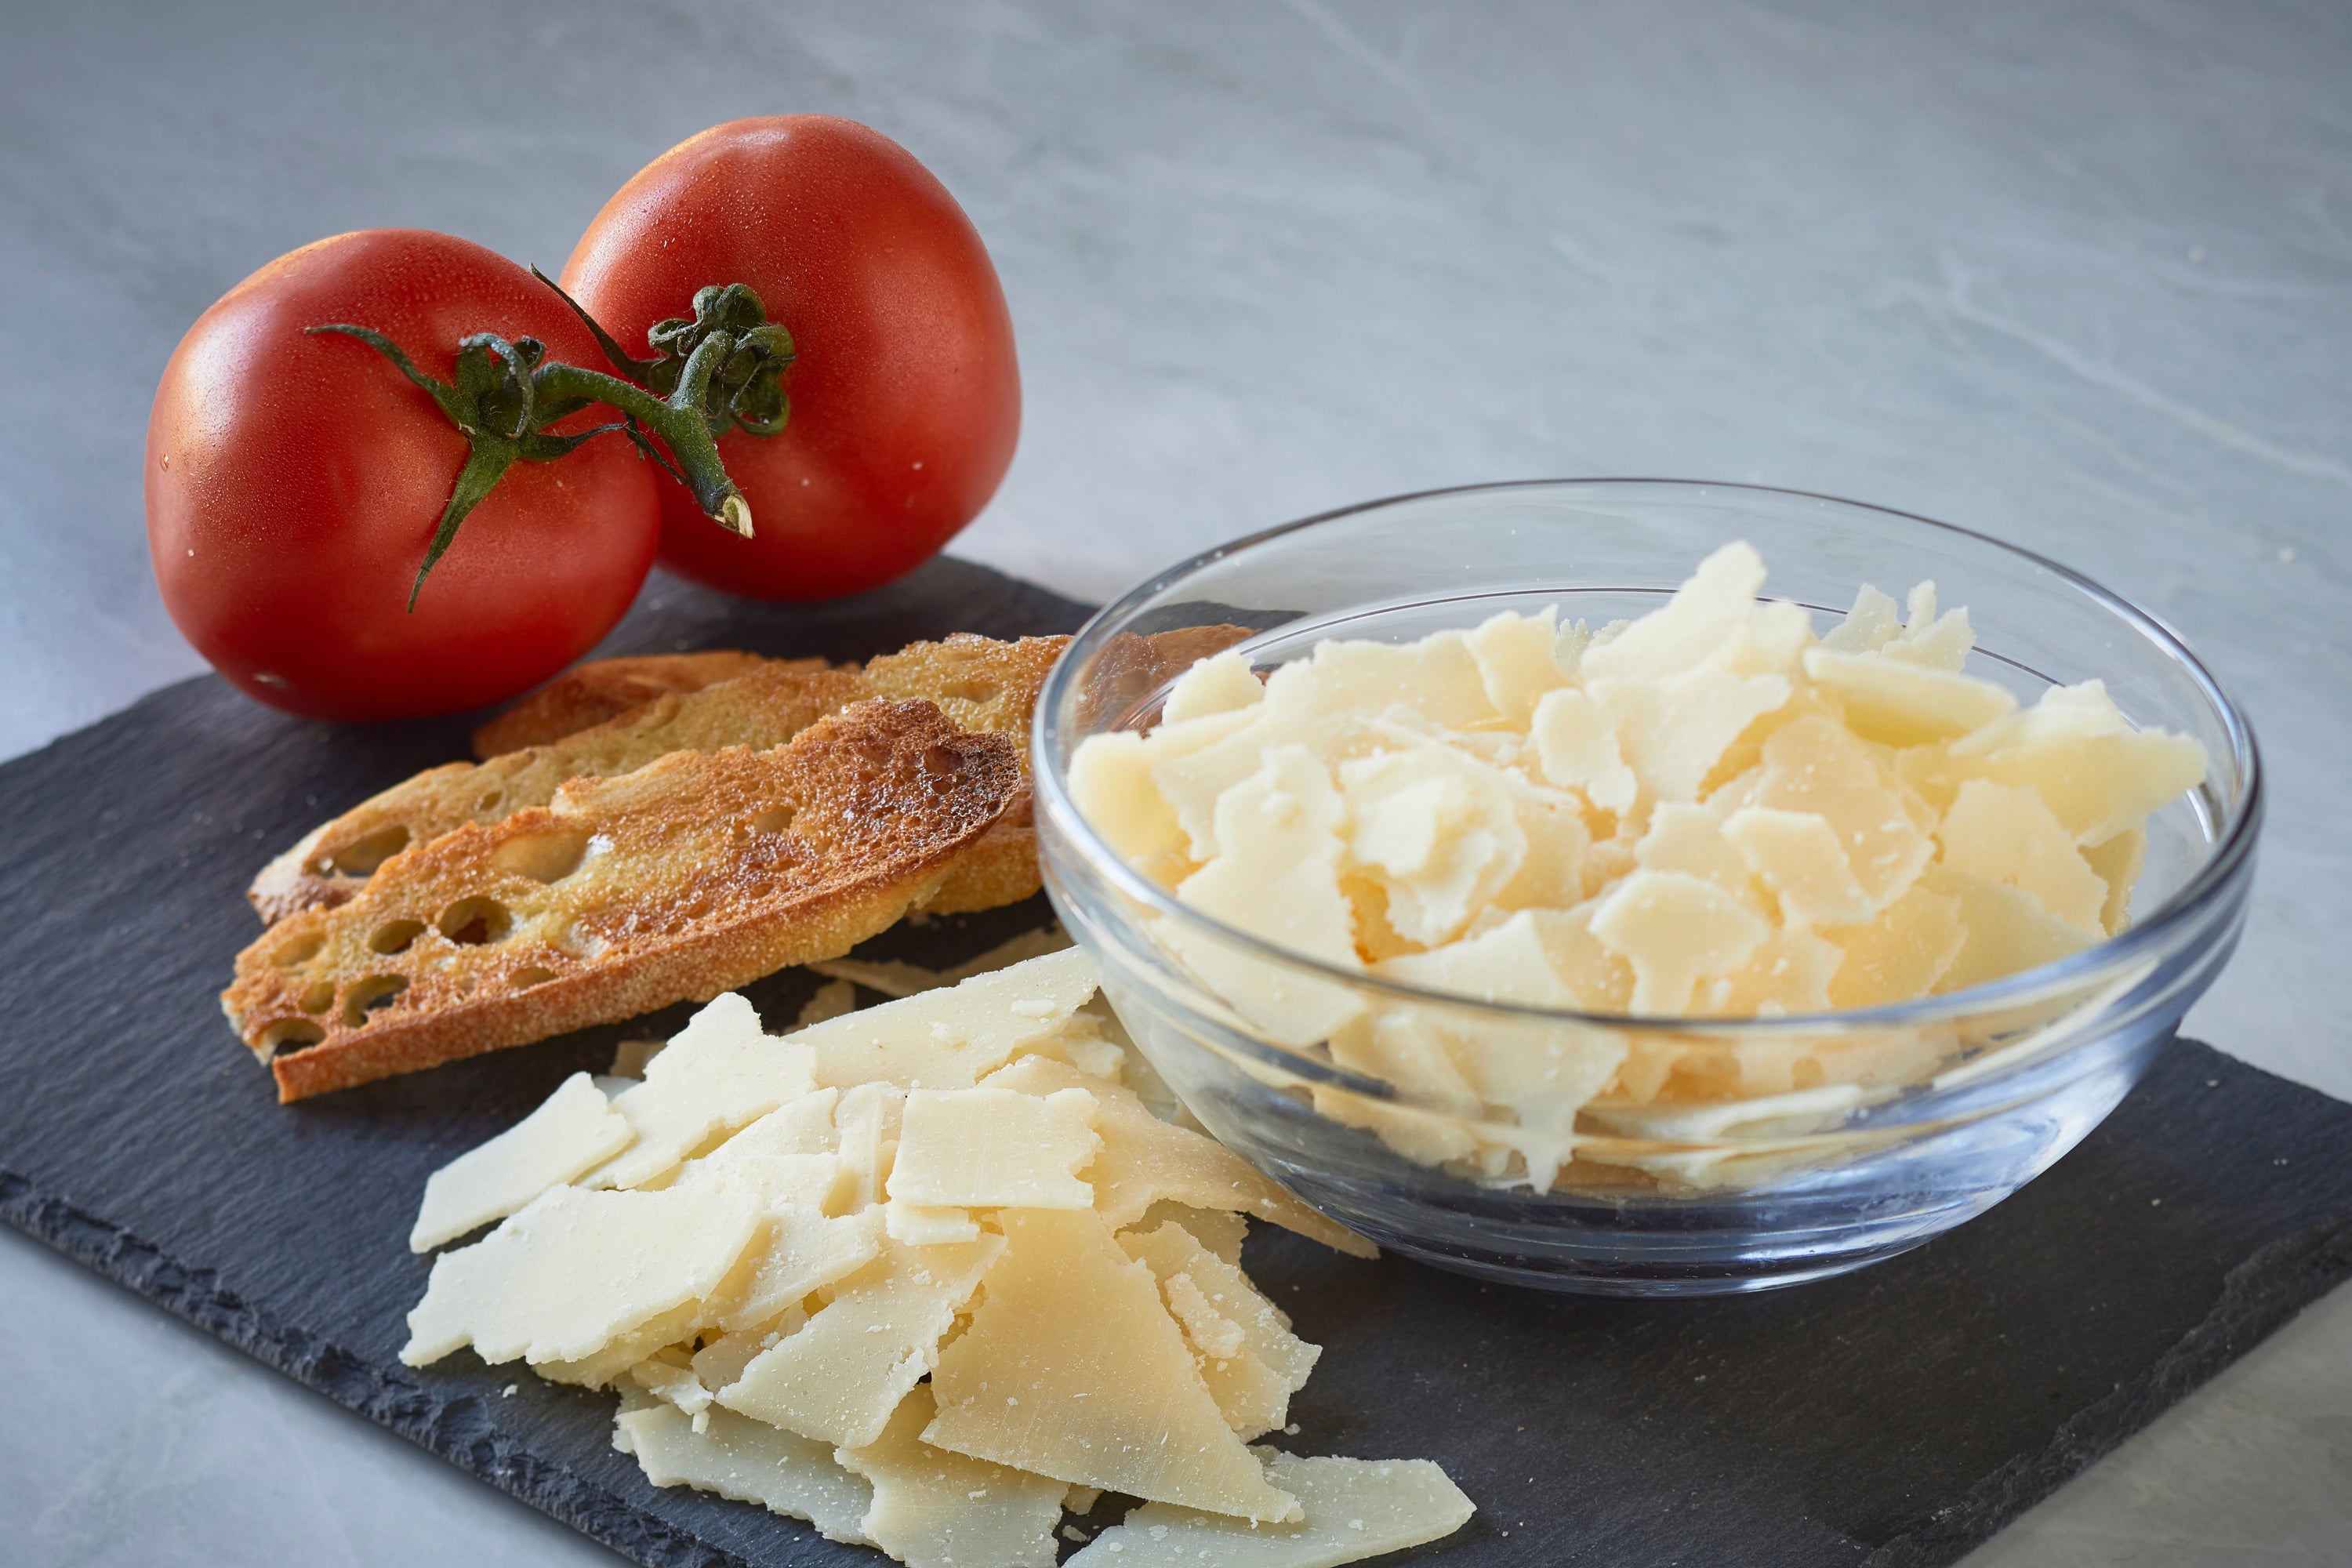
(2079, 277)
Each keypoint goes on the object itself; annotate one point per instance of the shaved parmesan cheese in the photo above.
(922, 1226)
(1218, 1231)
(1091, 1042)
(895, 979)
(1276, 878)
(721, 1360)
(801, 1126)
(933, 1509)
(1515, 662)
(1351, 1509)
(1575, 739)
(1145, 1161)
(720, 1073)
(1243, 1344)
(1439, 831)
(610, 1365)
(1675, 930)
(1903, 954)
(2117, 861)
(1072, 1368)
(2006, 834)
(840, 1375)
(995, 1148)
(1811, 764)
(572, 1131)
(1797, 854)
(1874, 621)
(669, 1375)
(1436, 677)
(1696, 622)
(1674, 732)
(542, 1287)
(1685, 837)
(1222, 683)
(948, 1038)
(866, 1119)
(2098, 775)
(2008, 930)
(750, 1462)
(770, 1305)
(1704, 811)
(1899, 703)
(834, 999)
(798, 1251)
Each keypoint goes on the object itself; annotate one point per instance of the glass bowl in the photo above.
(1825, 1143)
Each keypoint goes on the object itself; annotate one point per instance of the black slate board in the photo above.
(1898, 1416)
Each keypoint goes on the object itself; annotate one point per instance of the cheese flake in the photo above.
(2005, 833)
(1351, 1509)
(1898, 703)
(750, 1461)
(1797, 854)
(933, 1509)
(1222, 683)
(542, 1285)
(1516, 661)
(1247, 1355)
(949, 1038)
(995, 1148)
(574, 1131)
(1145, 1161)
(1072, 1368)
(1675, 930)
(720, 1073)
(839, 1375)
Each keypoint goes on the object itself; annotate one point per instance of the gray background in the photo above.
(2079, 277)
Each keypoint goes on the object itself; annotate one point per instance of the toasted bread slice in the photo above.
(604, 688)
(979, 682)
(984, 684)
(685, 878)
(1132, 667)
(331, 863)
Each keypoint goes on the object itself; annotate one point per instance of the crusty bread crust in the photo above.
(604, 688)
(679, 880)
(1131, 668)
(985, 685)
(981, 684)
(1000, 869)
(332, 862)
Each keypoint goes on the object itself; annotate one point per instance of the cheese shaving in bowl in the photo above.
(1707, 813)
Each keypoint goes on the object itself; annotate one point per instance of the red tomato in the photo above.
(293, 482)
(905, 399)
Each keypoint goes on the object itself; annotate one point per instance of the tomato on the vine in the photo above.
(905, 399)
(295, 480)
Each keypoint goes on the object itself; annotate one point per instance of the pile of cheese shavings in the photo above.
(925, 1275)
(1703, 813)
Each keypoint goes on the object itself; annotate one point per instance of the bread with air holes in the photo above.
(982, 684)
(332, 862)
(690, 876)
(604, 688)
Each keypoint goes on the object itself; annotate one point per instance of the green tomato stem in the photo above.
(722, 370)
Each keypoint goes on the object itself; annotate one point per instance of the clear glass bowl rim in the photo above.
(2232, 848)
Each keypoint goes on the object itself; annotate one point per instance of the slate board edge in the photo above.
(2257, 1299)
(453, 1429)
